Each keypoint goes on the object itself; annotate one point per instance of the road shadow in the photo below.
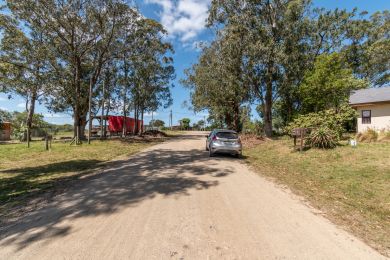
(125, 183)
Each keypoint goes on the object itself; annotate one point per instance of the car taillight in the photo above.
(214, 138)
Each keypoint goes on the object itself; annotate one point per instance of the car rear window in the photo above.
(227, 135)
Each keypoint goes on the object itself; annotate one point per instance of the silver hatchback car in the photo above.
(224, 141)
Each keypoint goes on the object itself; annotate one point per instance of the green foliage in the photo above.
(216, 82)
(68, 46)
(198, 125)
(323, 138)
(19, 127)
(332, 119)
(328, 85)
(157, 123)
(253, 127)
(281, 40)
(5, 116)
(185, 123)
(369, 52)
(368, 136)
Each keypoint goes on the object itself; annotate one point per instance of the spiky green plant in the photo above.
(323, 138)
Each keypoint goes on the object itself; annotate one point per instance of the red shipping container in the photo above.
(115, 124)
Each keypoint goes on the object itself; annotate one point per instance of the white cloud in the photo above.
(185, 19)
(4, 108)
(3, 99)
(21, 105)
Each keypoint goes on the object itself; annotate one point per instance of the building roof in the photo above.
(370, 95)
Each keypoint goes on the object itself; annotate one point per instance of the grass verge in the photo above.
(28, 172)
(350, 185)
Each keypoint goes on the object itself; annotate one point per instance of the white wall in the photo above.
(380, 117)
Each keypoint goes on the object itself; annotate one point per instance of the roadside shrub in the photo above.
(332, 119)
(386, 135)
(323, 138)
(370, 135)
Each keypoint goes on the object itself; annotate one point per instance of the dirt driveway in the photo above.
(174, 202)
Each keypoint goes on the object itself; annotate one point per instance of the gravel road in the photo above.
(174, 202)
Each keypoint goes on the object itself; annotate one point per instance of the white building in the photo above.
(373, 106)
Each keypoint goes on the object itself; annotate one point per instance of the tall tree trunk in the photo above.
(90, 110)
(236, 117)
(30, 115)
(83, 123)
(124, 130)
(135, 116)
(142, 119)
(76, 109)
(102, 130)
(228, 120)
(268, 107)
(136, 119)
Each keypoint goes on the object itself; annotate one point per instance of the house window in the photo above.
(366, 116)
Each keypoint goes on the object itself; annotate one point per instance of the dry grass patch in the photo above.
(351, 185)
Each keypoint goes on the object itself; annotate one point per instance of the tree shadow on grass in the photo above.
(30, 181)
(122, 184)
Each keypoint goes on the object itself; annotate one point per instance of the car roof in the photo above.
(224, 130)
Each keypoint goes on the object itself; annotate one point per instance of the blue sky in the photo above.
(184, 20)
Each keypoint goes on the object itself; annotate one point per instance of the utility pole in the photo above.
(204, 123)
(152, 121)
(170, 119)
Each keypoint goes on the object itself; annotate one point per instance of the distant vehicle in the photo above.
(223, 141)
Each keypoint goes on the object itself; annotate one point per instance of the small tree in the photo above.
(329, 84)
(157, 123)
(185, 123)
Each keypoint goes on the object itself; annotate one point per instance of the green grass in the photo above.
(27, 172)
(351, 185)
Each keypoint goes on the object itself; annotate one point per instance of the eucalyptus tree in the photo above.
(282, 39)
(112, 19)
(217, 81)
(25, 71)
(369, 51)
(152, 69)
(80, 35)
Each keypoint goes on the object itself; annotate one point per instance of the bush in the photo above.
(370, 135)
(323, 138)
(384, 135)
(255, 128)
(332, 119)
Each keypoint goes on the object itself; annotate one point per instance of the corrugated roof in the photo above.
(370, 95)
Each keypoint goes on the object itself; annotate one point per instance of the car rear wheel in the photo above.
(211, 154)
